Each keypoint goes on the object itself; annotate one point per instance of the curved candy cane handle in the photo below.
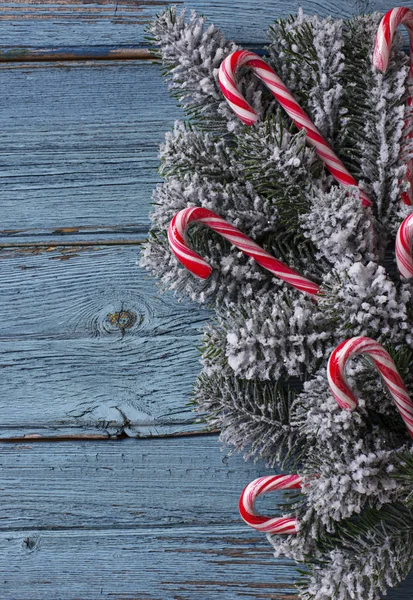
(246, 113)
(404, 240)
(385, 34)
(384, 38)
(336, 373)
(263, 485)
(199, 267)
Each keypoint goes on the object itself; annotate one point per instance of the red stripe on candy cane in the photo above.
(336, 373)
(385, 34)
(262, 485)
(199, 267)
(404, 240)
(246, 113)
(384, 38)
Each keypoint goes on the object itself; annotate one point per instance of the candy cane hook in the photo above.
(336, 373)
(199, 267)
(262, 485)
(404, 241)
(385, 34)
(246, 113)
(384, 38)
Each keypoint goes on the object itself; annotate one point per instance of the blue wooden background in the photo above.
(110, 487)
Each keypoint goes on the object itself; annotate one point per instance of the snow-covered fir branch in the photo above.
(372, 119)
(308, 54)
(254, 416)
(270, 184)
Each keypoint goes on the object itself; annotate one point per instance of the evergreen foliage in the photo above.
(255, 417)
(364, 558)
(264, 355)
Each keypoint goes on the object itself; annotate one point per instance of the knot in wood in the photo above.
(124, 319)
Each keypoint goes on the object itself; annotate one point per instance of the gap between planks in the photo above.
(101, 437)
(87, 53)
(74, 54)
(60, 244)
(66, 237)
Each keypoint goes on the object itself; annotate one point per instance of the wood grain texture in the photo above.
(134, 519)
(87, 343)
(128, 483)
(86, 346)
(67, 23)
(196, 563)
(79, 147)
(79, 151)
(189, 563)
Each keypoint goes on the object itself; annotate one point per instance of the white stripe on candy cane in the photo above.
(247, 114)
(263, 485)
(336, 373)
(199, 267)
(404, 240)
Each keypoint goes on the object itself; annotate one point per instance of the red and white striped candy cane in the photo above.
(404, 240)
(384, 37)
(199, 267)
(246, 113)
(336, 373)
(262, 485)
(387, 28)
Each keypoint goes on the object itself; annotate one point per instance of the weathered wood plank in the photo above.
(143, 520)
(79, 147)
(134, 519)
(192, 563)
(87, 344)
(68, 23)
(128, 483)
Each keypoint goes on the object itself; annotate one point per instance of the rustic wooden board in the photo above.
(79, 145)
(159, 483)
(69, 24)
(134, 519)
(194, 563)
(87, 344)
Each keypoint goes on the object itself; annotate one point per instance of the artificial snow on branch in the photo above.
(283, 190)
